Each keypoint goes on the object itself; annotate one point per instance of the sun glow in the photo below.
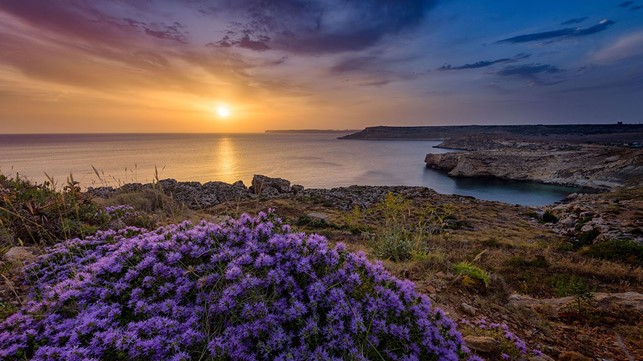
(223, 111)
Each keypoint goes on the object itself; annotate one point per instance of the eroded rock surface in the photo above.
(591, 166)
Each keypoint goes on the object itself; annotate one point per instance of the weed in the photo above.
(471, 273)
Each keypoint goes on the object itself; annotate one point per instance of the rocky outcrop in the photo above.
(200, 196)
(606, 216)
(598, 167)
(630, 300)
(269, 186)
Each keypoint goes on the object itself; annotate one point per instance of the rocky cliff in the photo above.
(591, 166)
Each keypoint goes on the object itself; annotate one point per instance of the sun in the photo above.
(223, 111)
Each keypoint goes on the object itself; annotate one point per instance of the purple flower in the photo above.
(249, 289)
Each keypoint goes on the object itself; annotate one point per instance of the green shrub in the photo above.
(616, 250)
(538, 262)
(393, 245)
(472, 272)
(39, 214)
(549, 217)
(585, 238)
(401, 238)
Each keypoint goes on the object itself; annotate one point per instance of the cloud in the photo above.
(535, 74)
(627, 47)
(626, 4)
(560, 34)
(485, 63)
(321, 26)
(574, 21)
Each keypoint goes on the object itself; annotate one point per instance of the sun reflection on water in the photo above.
(226, 161)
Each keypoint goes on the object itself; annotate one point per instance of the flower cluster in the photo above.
(119, 211)
(512, 347)
(247, 289)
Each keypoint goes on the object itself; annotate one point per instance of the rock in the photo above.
(469, 310)
(585, 166)
(631, 300)
(567, 222)
(296, 188)
(572, 356)
(21, 255)
(482, 344)
(239, 184)
(320, 217)
(262, 184)
(542, 357)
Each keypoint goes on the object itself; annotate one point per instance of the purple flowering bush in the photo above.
(247, 289)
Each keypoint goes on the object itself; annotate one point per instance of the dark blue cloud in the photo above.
(529, 70)
(626, 4)
(574, 21)
(318, 26)
(560, 34)
(484, 63)
(535, 74)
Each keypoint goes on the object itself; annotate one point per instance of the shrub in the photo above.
(242, 290)
(585, 238)
(401, 238)
(617, 250)
(39, 214)
(549, 217)
(473, 272)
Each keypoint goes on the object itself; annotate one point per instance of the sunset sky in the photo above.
(179, 65)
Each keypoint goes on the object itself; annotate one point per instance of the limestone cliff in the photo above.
(598, 167)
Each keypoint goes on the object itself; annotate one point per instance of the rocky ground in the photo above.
(552, 290)
(592, 166)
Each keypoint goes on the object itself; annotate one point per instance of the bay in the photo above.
(314, 160)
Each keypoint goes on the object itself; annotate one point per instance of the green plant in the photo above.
(585, 238)
(41, 214)
(401, 238)
(393, 244)
(577, 288)
(549, 217)
(472, 273)
(622, 250)
(538, 262)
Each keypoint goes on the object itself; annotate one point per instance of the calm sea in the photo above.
(314, 160)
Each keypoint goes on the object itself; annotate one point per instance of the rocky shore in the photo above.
(579, 165)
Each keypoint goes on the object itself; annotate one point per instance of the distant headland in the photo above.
(574, 133)
(312, 131)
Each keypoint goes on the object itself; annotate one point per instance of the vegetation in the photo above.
(33, 214)
(622, 250)
(261, 293)
(472, 274)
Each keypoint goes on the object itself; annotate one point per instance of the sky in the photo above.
(84, 66)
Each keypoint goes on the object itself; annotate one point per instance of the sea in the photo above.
(314, 160)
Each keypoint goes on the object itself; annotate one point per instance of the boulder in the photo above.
(468, 309)
(21, 255)
(482, 344)
(320, 217)
(262, 184)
